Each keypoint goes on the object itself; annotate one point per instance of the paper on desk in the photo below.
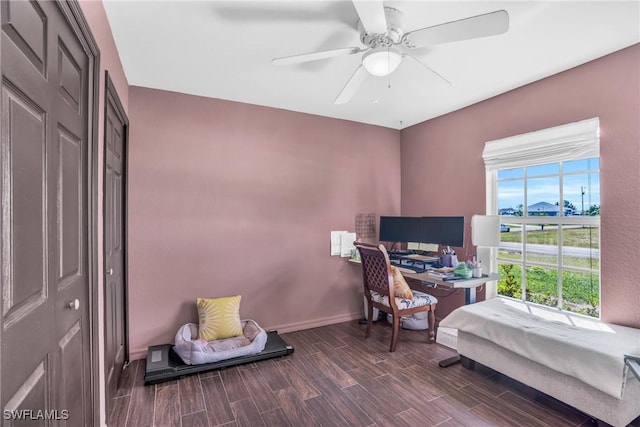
(426, 247)
(346, 244)
(336, 242)
(429, 247)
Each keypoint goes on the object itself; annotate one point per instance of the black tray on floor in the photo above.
(163, 364)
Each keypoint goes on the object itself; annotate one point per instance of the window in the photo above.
(546, 188)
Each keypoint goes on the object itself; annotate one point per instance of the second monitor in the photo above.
(442, 230)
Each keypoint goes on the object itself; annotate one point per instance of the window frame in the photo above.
(564, 143)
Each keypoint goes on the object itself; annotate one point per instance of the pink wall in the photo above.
(446, 152)
(229, 198)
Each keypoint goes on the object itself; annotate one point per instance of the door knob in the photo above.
(74, 304)
(110, 272)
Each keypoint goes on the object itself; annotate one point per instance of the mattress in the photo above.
(589, 350)
(617, 412)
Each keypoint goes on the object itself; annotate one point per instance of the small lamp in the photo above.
(485, 230)
(485, 235)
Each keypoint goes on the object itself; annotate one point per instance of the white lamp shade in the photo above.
(485, 230)
(381, 61)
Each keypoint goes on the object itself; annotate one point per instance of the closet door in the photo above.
(45, 332)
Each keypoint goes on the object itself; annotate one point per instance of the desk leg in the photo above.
(469, 298)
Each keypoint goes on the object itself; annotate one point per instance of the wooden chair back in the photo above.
(376, 275)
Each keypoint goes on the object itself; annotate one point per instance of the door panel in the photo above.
(34, 392)
(72, 388)
(25, 291)
(25, 24)
(69, 77)
(45, 331)
(69, 222)
(23, 163)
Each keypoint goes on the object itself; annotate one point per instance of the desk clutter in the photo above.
(412, 262)
(445, 267)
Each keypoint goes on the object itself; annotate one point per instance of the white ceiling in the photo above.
(224, 50)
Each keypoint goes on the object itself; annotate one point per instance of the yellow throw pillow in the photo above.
(400, 287)
(219, 318)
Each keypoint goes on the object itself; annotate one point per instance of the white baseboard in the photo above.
(315, 323)
(282, 329)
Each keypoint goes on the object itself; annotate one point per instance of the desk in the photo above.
(469, 286)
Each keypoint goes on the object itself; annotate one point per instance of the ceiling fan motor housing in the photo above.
(395, 21)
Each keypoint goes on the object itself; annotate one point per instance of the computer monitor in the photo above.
(400, 228)
(444, 230)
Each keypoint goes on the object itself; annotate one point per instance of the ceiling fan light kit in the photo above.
(381, 61)
(386, 43)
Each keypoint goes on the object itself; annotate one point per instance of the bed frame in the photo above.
(163, 364)
(603, 407)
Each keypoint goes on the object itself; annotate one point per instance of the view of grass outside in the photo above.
(578, 237)
(580, 280)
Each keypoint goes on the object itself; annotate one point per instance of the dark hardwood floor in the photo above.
(337, 378)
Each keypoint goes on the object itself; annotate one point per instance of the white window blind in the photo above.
(577, 140)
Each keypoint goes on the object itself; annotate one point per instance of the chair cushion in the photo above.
(400, 287)
(419, 299)
(219, 318)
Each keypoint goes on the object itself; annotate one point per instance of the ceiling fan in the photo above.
(386, 43)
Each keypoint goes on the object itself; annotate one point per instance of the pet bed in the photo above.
(164, 363)
(194, 351)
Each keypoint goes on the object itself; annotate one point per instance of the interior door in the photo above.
(45, 331)
(114, 242)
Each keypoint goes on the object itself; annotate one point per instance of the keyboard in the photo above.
(400, 252)
(422, 258)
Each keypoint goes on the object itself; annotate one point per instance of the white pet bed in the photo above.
(194, 351)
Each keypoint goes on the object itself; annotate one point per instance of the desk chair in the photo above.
(379, 291)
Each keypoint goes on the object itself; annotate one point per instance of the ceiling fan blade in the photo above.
(430, 69)
(307, 57)
(489, 24)
(352, 85)
(371, 14)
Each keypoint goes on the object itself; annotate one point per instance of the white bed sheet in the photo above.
(586, 349)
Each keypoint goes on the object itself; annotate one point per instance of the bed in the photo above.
(576, 360)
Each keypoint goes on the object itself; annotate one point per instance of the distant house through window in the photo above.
(546, 188)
